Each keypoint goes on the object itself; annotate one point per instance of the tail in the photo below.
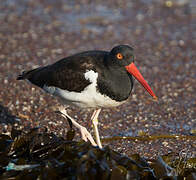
(26, 74)
(37, 76)
(22, 76)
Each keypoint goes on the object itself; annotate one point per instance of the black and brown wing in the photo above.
(67, 74)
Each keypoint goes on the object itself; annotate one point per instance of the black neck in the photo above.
(118, 84)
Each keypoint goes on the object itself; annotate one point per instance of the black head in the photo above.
(122, 55)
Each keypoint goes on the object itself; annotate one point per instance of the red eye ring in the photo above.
(119, 56)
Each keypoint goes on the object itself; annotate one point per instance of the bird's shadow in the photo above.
(5, 116)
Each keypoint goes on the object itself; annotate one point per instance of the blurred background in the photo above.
(39, 32)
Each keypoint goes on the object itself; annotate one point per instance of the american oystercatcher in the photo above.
(91, 79)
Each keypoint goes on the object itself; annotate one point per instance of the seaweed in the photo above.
(38, 154)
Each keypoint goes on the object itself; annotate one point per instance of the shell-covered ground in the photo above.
(38, 32)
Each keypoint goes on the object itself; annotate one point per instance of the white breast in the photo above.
(88, 98)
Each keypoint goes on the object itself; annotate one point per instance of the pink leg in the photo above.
(85, 134)
(94, 119)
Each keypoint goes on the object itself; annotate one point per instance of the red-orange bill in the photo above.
(132, 69)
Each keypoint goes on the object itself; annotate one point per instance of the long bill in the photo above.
(132, 69)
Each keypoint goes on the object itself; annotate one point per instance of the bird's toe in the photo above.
(87, 136)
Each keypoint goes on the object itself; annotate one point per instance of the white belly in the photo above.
(88, 98)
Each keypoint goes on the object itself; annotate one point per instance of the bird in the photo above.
(92, 79)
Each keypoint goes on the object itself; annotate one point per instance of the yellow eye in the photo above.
(119, 56)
